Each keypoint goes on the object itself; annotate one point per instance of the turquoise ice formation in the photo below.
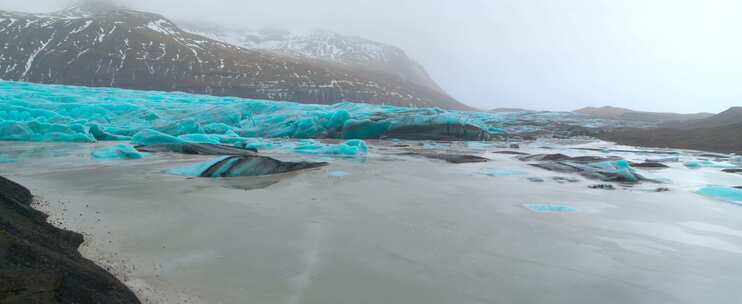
(36, 112)
(338, 173)
(620, 167)
(348, 148)
(495, 172)
(6, 159)
(550, 208)
(732, 195)
(120, 151)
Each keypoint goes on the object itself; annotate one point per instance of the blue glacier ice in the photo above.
(6, 159)
(550, 208)
(35, 112)
(620, 168)
(702, 163)
(338, 173)
(119, 151)
(348, 148)
(195, 170)
(729, 194)
(495, 172)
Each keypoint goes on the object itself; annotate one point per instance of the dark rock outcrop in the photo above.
(197, 149)
(235, 166)
(602, 187)
(651, 165)
(451, 157)
(39, 263)
(610, 169)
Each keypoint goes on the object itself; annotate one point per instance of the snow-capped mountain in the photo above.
(99, 44)
(322, 45)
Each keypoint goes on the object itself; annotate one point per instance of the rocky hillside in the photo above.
(719, 133)
(39, 263)
(350, 51)
(615, 113)
(98, 44)
(729, 117)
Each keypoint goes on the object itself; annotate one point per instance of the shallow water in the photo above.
(392, 229)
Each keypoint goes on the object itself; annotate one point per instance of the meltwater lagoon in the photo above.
(194, 199)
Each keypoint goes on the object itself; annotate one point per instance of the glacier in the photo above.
(38, 112)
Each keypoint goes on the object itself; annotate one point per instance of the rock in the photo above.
(235, 166)
(607, 169)
(510, 152)
(545, 157)
(514, 146)
(564, 180)
(655, 165)
(197, 149)
(536, 179)
(662, 189)
(39, 263)
(452, 158)
(732, 170)
(602, 187)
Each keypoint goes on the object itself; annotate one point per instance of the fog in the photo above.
(659, 55)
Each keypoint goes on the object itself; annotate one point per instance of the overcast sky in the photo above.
(659, 55)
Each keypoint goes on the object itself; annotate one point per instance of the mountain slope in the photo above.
(97, 44)
(719, 133)
(350, 51)
(609, 112)
(732, 115)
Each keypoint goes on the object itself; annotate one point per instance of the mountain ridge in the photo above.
(104, 45)
(610, 112)
(718, 133)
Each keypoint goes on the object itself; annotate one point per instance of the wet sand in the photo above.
(393, 229)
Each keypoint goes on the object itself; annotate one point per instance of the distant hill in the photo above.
(96, 43)
(718, 133)
(616, 113)
(731, 116)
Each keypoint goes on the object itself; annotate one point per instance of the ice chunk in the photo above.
(732, 195)
(120, 151)
(197, 169)
(201, 139)
(152, 137)
(702, 163)
(6, 159)
(338, 173)
(495, 172)
(550, 208)
(348, 148)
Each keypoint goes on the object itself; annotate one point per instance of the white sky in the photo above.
(659, 55)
